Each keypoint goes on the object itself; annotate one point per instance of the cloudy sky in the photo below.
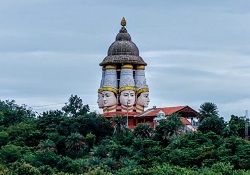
(197, 51)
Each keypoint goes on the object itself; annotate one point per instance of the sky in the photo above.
(197, 51)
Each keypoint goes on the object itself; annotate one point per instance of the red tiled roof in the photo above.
(185, 121)
(166, 110)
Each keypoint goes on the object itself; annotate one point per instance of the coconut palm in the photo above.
(207, 109)
(47, 145)
(169, 127)
(119, 125)
(75, 142)
(143, 130)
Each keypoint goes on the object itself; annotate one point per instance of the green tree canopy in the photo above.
(75, 107)
(168, 127)
(207, 109)
(143, 130)
(213, 123)
(12, 114)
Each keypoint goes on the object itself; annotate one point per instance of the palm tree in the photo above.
(119, 125)
(207, 109)
(169, 127)
(143, 130)
(75, 142)
(128, 162)
(47, 145)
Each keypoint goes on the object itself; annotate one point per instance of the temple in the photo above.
(124, 90)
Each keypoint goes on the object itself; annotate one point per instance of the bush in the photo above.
(223, 168)
(10, 153)
(4, 138)
(25, 169)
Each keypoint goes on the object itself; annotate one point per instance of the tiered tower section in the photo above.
(123, 85)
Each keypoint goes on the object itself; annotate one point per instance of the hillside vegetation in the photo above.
(74, 141)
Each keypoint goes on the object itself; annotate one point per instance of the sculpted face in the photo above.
(127, 98)
(143, 99)
(109, 98)
(100, 101)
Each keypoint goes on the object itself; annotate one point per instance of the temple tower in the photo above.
(123, 86)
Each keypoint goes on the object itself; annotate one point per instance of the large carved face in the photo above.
(100, 101)
(127, 98)
(143, 99)
(109, 98)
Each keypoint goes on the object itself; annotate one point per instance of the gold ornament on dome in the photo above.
(123, 22)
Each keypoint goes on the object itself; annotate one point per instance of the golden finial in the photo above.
(123, 21)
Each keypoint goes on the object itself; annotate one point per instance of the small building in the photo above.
(153, 115)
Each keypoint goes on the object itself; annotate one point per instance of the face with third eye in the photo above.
(127, 98)
(109, 98)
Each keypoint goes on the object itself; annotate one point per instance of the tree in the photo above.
(49, 120)
(12, 114)
(169, 127)
(75, 107)
(222, 168)
(236, 126)
(207, 109)
(147, 151)
(24, 134)
(4, 138)
(143, 130)
(235, 151)
(214, 123)
(42, 158)
(193, 149)
(25, 169)
(10, 153)
(91, 122)
(117, 151)
(75, 142)
(74, 166)
(119, 125)
(170, 170)
(4, 170)
(90, 140)
(46, 145)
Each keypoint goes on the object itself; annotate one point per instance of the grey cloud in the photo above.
(196, 52)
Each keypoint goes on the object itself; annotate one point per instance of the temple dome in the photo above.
(123, 50)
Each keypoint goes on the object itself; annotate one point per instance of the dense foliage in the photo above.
(75, 141)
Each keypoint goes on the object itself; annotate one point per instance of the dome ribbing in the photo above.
(123, 50)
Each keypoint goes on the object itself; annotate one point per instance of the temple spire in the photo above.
(123, 21)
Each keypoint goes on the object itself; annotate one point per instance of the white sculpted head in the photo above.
(127, 98)
(143, 99)
(100, 101)
(109, 99)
